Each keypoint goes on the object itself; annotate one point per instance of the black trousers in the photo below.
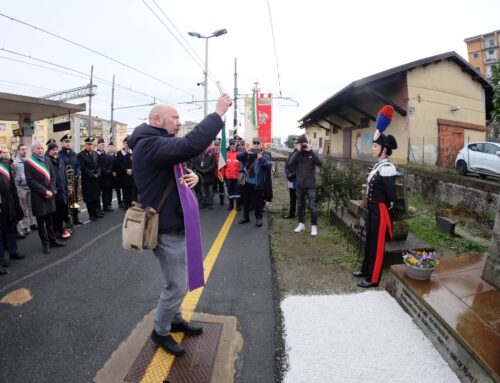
(128, 192)
(252, 196)
(92, 208)
(106, 196)
(60, 216)
(118, 191)
(219, 189)
(293, 202)
(46, 229)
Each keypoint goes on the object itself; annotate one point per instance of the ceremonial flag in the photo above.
(223, 152)
(254, 107)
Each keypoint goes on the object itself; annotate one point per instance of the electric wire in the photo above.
(274, 44)
(83, 75)
(95, 52)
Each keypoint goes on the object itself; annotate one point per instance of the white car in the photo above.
(479, 157)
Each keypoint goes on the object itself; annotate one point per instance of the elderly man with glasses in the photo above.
(256, 164)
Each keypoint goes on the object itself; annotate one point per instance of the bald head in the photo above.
(165, 117)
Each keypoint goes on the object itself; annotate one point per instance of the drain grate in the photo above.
(141, 363)
(197, 364)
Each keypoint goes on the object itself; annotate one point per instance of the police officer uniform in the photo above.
(106, 180)
(68, 157)
(91, 190)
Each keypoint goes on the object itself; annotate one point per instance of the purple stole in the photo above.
(192, 228)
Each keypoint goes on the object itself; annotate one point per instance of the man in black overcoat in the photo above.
(123, 166)
(106, 180)
(91, 189)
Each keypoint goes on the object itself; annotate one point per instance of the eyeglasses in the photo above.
(232, 143)
(256, 143)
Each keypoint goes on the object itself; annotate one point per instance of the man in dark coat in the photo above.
(106, 180)
(256, 166)
(10, 213)
(205, 166)
(116, 181)
(91, 190)
(306, 161)
(68, 157)
(123, 166)
(41, 179)
(61, 213)
(291, 176)
(156, 152)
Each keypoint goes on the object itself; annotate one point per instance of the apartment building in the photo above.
(483, 51)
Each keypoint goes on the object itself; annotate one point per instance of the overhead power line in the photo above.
(95, 52)
(197, 59)
(79, 74)
(274, 44)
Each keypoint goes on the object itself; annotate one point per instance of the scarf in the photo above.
(194, 248)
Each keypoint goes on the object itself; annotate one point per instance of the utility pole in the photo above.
(235, 118)
(90, 101)
(111, 129)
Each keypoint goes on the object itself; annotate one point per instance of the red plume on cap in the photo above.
(384, 119)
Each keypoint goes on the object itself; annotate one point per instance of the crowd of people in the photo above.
(40, 192)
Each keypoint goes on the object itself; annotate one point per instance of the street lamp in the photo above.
(217, 33)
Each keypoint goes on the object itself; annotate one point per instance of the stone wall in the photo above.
(491, 271)
(481, 202)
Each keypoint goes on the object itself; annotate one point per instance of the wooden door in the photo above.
(451, 140)
(347, 143)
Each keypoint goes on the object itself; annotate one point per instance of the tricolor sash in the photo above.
(4, 171)
(194, 248)
(39, 167)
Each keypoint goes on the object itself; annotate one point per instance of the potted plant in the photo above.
(420, 263)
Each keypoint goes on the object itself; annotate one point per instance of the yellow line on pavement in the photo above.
(161, 363)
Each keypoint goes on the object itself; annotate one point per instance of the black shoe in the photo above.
(244, 220)
(46, 250)
(93, 218)
(187, 328)
(358, 274)
(57, 244)
(20, 235)
(258, 223)
(211, 207)
(288, 216)
(366, 284)
(168, 344)
(121, 205)
(4, 263)
(99, 214)
(17, 256)
(108, 209)
(3, 271)
(34, 227)
(77, 222)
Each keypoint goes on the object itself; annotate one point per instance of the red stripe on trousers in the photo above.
(384, 225)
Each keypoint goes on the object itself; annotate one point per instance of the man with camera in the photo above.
(305, 161)
(256, 164)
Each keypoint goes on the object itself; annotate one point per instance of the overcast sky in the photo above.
(321, 47)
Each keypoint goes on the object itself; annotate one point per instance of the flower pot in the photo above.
(400, 230)
(417, 273)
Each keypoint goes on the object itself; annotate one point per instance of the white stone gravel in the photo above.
(365, 337)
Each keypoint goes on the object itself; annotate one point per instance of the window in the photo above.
(2, 127)
(491, 149)
(474, 147)
(492, 42)
(476, 56)
(320, 142)
(314, 135)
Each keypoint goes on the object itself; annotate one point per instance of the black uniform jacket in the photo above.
(89, 166)
(39, 185)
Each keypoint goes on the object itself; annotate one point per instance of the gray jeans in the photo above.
(25, 202)
(171, 252)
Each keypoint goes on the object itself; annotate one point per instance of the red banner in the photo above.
(264, 106)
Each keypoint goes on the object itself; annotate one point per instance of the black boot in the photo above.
(231, 204)
(221, 199)
(168, 344)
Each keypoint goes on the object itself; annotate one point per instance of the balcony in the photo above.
(489, 59)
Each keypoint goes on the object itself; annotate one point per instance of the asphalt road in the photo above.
(89, 296)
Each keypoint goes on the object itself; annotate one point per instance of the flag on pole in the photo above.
(254, 107)
(223, 153)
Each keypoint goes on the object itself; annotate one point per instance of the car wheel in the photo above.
(483, 176)
(462, 168)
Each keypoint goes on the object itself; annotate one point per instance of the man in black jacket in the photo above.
(156, 151)
(291, 176)
(106, 180)
(306, 161)
(91, 189)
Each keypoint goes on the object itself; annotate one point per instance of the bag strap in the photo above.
(247, 168)
(166, 193)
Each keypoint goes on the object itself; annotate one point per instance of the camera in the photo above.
(256, 151)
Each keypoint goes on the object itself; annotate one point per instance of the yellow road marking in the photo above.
(161, 363)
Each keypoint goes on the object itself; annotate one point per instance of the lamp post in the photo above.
(217, 33)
